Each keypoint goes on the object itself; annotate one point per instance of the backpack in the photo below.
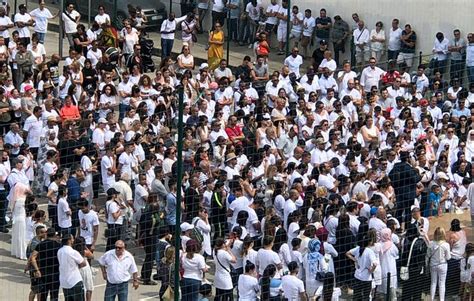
(196, 233)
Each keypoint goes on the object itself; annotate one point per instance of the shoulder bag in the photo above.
(169, 292)
(404, 274)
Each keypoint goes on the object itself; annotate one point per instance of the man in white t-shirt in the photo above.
(70, 261)
(272, 20)
(124, 91)
(5, 24)
(41, 16)
(70, 19)
(294, 61)
(292, 286)
(308, 30)
(394, 42)
(89, 224)
(102, 18)
(282, 17)
(33, 127)
(22, 21)
(223, 71)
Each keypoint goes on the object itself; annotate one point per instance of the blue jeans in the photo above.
(120, 290)
(190, 289)
(470, 74)
(122, 110)
(75, 293)
(41, 36)
(234, 29)
(166, 47)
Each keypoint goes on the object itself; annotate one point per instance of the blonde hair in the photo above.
(321, 192)
(169, 255)
(439, 234)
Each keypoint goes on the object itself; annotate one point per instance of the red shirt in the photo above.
(236, 131)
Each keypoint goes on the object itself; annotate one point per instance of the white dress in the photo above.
(19, 242)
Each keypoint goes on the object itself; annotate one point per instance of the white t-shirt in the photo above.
(394, 41)
(127, 88)
(102, 19)
(94, 56)
(105, 164)
(64, 220)
(49, 169)
(222, 279)
(69, 260)
(86, 164)
(41, 19)
(33, 126)
(193, 267)
(265, 258)
(69, 25)
(363, 263)
(88, 221)
(113, 207)
(292, 287)
(294, 64)
(248, 288)
(4, 21)
(25, 31)
(308, 26)
(118, 270)
(272, 9)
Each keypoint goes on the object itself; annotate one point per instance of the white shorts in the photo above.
(405, 57)
(87, 278)
(281, 33)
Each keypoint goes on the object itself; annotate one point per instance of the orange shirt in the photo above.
(71, 112)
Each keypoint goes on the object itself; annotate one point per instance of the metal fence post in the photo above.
(388, 297)
(421, 58)
(61, 28)
(288, 18)
(228, 36)
(179, 197)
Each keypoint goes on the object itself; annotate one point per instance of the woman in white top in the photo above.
(222, 278)
(370, 132)
(377, 41)
(194, 267)
(185, 60)
(457, 241)
(438, 255)
(201, 223)
(366, 262)
(312, 264)
(38, 51)
(248, 253)
(248, 287)
(130, 38)
(114, 214)
(388, 257)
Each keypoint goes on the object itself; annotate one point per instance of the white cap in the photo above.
(102, 120)
(203, 66)
(186, 226)
(442, 175)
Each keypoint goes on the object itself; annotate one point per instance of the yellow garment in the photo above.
(215, 52)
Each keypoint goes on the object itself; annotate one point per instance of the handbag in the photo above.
(404, 273)
(169, 292)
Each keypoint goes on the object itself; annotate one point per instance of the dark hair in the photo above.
(249, 266)
(268, 273)
(292, 266)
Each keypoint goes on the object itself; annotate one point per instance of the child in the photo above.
(205, 292)
(467, 269)
(433, 201)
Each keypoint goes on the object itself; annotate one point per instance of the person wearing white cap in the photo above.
(185, 233)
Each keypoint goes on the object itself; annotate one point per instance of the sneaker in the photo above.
(149, 282)
(4, 230)
(250, 46)
(156, 277)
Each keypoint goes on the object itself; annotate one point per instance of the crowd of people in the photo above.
(297, 184)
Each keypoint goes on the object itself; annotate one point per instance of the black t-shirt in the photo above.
(82, 38)
(107, 67)
(48, 259)
(318, 57)
(66, 149)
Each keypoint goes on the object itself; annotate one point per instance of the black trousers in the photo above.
(362, 290)
(150, 253)
(49, 287)
(75, 293)
(116, 234)
(3, 208)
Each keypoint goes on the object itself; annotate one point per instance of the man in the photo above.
(40, 16)
(272, 20)
(355, 95)
(296, 20)
(74, 193)
(71, 19)
(5, 24)
(361, 41)
(24, 61)
(421, 80)
(404, 178)
(294, 61)
(338, 35)
(117, 265)
(157, 185)
(32, 130)
(89, 221)
(318, 54)
(124, 91)
(135, 59)
(323, 25)
(223, 71)
(440, 53)
(308, 30)
(22, 21)
(45, 265)
(457, 49)
(470, 57)
(4, 172)
(167, 30)
(394, 40)
(282, 16)
(70, 261)
(407, 48)
(371, 75)
(14, 138)
(234, 132)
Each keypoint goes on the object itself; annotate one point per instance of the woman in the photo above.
(80, 40)
(19, 242)
(388, 257)
(38, 51)
(223, 280)
(108, 100)
(216, 47)
(130, 38)
(5, 114)
(194, 267)
(270, 287)
(437, 257)
(201, 223)
(148, 228)
(166, 270)
(312, 264)
(370, 133)
(457, 241)
(416, 266)
(185, 60)
(377, 41)
(365, 261)
(90, 76)
(248, 287)
(189, 27)
(86, 271)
